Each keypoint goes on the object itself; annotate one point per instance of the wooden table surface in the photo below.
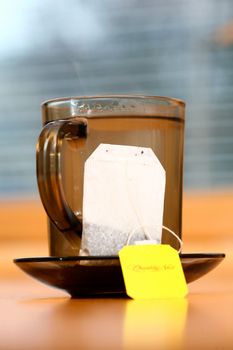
(35, 316)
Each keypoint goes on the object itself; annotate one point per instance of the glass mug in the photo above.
(74, 127)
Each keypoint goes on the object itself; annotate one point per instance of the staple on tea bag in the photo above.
(123, 193)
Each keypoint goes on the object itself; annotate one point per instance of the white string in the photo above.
(176, 236)
(148, 236)
(139, 219)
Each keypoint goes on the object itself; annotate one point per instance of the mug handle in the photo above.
(48, 167)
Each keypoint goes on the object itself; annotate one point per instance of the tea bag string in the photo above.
(148, 236)
(138, 216)
(175, 235)
(132, 201)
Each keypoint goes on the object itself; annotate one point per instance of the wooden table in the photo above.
(34, 316)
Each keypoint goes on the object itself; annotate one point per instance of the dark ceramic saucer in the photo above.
(92, 276)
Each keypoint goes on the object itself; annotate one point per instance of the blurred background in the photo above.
(176, 48)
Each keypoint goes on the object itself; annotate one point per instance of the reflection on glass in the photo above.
(155, 324)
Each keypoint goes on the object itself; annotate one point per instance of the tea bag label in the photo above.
(152, 271)
(123, 197)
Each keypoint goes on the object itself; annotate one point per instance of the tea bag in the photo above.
(123, 199)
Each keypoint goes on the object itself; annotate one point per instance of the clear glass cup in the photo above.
(73, 128)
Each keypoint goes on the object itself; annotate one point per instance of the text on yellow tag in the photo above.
(152, 271)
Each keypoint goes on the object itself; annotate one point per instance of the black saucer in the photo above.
(92, 276)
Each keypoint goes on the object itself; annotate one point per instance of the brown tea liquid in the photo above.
(163, 135)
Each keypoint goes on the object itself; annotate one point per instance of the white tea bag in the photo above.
(123, 198)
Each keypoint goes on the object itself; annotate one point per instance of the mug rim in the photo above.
(172, 100)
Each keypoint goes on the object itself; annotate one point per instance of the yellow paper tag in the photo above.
(152, 271)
